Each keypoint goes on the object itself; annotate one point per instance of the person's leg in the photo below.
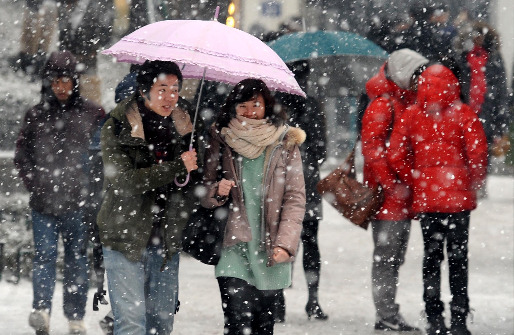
(46, 234)
(312, 267)
(125, 280)
(75, 274)
(433, 229)
(280, 307)
(390, 239)
(263, 321)
(311, 257)
(161, 292)
(457, 250)
(48, 25)
(237, 303)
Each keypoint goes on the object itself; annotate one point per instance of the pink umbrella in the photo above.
(207, 50)
(226, 54)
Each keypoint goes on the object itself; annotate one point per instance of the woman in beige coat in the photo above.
(253, 162)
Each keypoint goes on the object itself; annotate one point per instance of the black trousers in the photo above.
(311, 256)
(454, 229)
(247, 310)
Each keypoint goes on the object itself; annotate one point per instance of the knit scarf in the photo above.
(477, 59)
(249, 137)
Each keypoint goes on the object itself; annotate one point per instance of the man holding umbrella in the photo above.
(144, 148)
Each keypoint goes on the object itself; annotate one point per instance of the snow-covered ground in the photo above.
(345, 291)
(345, 281)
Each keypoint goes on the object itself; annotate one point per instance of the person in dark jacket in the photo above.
(485, 84)
(37, 30)
(51, 156)
(144, 149)
(427, 37)
(439, 149)
(390, 94)
(85, 26)
(306, 113)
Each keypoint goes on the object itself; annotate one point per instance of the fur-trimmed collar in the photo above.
(294, 136)
(181, 120)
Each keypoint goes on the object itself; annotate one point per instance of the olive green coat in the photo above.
(131, 177)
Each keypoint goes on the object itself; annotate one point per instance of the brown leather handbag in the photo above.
(354, 200)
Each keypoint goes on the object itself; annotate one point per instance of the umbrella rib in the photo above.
(202, 51)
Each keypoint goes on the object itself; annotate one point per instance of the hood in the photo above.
(60, 64)
(379, 85)
(438, 88)
(402, 65)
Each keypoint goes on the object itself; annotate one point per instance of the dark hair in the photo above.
(150, 71)
(301, 70)
(244, 91)
(421, 12)
(491, 38)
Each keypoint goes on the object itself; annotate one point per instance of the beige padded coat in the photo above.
(283, 191)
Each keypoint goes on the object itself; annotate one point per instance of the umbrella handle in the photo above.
(187, 177)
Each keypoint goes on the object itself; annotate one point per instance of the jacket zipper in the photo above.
(263, 196)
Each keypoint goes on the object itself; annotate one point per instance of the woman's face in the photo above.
(252, 109)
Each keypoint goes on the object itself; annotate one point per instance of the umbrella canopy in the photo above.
(310, 45)
(226, 54)
(356, 58)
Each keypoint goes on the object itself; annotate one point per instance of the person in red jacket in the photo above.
(390, 94)
(439, 148)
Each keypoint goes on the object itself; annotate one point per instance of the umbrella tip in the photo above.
(216, 13)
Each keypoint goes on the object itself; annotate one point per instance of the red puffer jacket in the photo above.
(447, 143)
(386, 98)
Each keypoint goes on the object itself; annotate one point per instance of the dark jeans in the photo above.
(454, 229)
(247, 310)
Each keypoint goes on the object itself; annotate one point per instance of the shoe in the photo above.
(40, 320)
(314, 311)
(459, 330)
(436, 325)
(395, 323)
(77, 327)
(107, 324)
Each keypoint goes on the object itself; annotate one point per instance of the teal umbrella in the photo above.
(310, 45)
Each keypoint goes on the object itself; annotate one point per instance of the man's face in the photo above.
(163, 95)
(62, 88)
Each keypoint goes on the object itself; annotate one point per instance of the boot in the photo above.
(280, 308)
(313, 310)
(107, 324)
(39, 319)
(459, 308)
(436, 325)
(458, 326)
(77, 327)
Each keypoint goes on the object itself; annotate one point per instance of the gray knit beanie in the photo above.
(401, 66)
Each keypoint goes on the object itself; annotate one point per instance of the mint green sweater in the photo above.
(247, 261)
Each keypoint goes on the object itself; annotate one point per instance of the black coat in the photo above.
(306, 113)
(494, 114)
